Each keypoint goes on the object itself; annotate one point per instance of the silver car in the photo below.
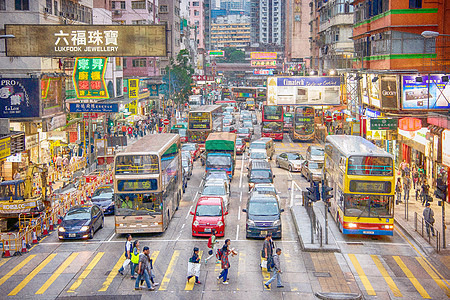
(291, 161)
(315, 153)
(312, 170)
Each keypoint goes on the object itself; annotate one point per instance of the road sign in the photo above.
(383, 124)
(216, 53)
(165, 121)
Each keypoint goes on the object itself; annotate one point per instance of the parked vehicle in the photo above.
(217, 174)
(221, 152)
(103, 196)
(264, 188)
(263, 216)
(266, 144)
(217, 189)
(244, 133)
(291, 161)
(257, 154)
(259, 171)
(81, 222)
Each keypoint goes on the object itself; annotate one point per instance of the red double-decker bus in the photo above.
(272, 122)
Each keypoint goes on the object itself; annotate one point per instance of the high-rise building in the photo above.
(197, 24)
(230, 31)
(267, 17)
(297, 31)
(169, 13)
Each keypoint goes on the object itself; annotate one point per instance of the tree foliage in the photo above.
(178, 78)
(232, 55)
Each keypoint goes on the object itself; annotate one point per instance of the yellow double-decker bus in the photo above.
(202, 121)
(362, 178)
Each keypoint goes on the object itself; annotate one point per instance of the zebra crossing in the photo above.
(52, 274)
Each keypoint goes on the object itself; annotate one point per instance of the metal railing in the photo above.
(316, 227)
(427, 231)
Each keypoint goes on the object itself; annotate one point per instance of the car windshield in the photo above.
(243, 130)
(213, 190)
(185, 163)
(314, 165)
(248, 124)
(208, 211)
(259, 155)
(263, 208)
(317, 152)
(259, 174)
(294, 156)
(257, 146)
(239, 142)
(265, 189)
(103, 192)
(190, 147)
(219, 175)
(78, 214)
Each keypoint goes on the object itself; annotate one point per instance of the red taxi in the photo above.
(209, 214)
(193, 148)
(241, 145)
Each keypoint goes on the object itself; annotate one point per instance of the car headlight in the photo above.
(61, 229)
(251, 184)
(250, 223)
(195, 223)
(84, 228)
(277, 223)
(220, 223)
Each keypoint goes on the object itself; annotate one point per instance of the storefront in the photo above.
(415, 149)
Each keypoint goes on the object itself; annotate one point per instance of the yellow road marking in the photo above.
(241, 265)
(190, 283)
(154, 256)
(289, 262)
(292, 145)
(112, 274)
(30, 276)
(362, 275)
(265, 274)
(16, 268)
(3, 261)
(86, 272)
(300, 145)
(433, 275)
(386, 277)
(282, 145)
(169, 271)
(58, 272)
(411, 278)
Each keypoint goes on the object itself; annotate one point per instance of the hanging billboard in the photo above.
(86, 40)
(89, 78)
(304, 90)
(388, 92)
(19, 98)
(433, 92)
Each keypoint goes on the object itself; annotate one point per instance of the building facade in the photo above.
(235, 35)
(197, 23)
(297, 32)
(169, 13)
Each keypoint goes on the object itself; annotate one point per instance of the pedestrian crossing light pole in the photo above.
(441, 193)
(326, 196)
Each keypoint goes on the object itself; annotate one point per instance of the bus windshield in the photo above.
(138, 204)
(137, 164)
(370, 165)
(272, 127)
(199, 120)
(213, 160)
(273, 112)
(368, 205)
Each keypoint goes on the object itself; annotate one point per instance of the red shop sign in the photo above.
(409, 124)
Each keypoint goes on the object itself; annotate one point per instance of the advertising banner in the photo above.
(263, 55)
(374, 90)
(264, 63)
(304, 90)
(89, 78)
(19, 98)
(388, 92)
(446, 147)
(266, 72)
(94, 107)
(431, 93)
(5, 147)
(86, 40)
(216, 53)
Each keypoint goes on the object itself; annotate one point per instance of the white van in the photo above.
(266, 144)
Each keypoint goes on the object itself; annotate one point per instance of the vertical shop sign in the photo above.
(89, 78)
(133, 88)
(446, 148)
(389, 94)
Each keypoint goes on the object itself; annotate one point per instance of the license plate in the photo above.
(72, 234)
(207, 229)
(368, 232)
(264, 233)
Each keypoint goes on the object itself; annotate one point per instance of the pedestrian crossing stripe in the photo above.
(241, 265)
(365, 281)
(56, 274)
(433, 275)
(86, 272)
(288, 261)
(190, 284)
(30, 276)
(3, 261)
(411, 278)
(16, 268)
(112, 274)
(265, 274)
(169, 271)
(386, 276)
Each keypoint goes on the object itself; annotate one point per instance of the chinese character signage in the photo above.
(89, 78)
(264, 63)
(133, 88)
(154, 90)
(5, 147)
(19, 98)
(134, 185)
(446, 148)
(94, 107)
(263, 72)
(304, 90)
(86, 40)
(202, 78)
(263, 55)
(431, 93)
(383, 124)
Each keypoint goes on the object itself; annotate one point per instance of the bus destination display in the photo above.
(361, 186)
(137, 185)
(199, 121)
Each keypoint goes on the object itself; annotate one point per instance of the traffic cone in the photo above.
(59, 220)
(50, 224)
(35, 240)
(6, 252)
(24, 246)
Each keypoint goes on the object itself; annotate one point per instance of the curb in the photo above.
(338, 296)
(296, 229)
(418, 243)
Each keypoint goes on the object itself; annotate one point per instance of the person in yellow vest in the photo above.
(127, 203)
(134, 258)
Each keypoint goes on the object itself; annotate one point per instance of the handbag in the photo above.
(210, 252)
(264, 264)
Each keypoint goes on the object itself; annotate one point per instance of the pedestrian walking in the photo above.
(398, 191)
(267, 251)
(128, 249)
(194, 267)
(415, 175)
(425, 190)
(276, 270)
(224, 252)
(213, 247)
(406, 187)
(134, 258)
(143, 270)
(428, 216)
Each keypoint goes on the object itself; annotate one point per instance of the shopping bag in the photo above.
(264, 264)
(193, 269)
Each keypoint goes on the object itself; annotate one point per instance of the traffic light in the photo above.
(326, 190)
(313, 192)
(441, 189)
(110, 122)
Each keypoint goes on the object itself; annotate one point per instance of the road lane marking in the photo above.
(16, 268)
(195, 197)
(265, 274)
(292, 145)
(362, 275)
(386, 276)
(300, 145)
(112, 235)
(242, 172)
(240, 197)
(56, 274)
(288, 260)
(190, 284)
(30, 276)
(411, 278)
(282, 145)
(112, 274)
(433, 275)
(86, 272)
(154, 256)
(169, 271)
(3, 261)
(189, 212)
(237, 232)
(162, 241)
(239, 213)
(201, 183)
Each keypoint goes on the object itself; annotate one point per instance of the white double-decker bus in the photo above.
(147, 184)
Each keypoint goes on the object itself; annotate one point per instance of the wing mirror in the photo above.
(281, 210)
(226, 213)
(244, 210)
(192, 213)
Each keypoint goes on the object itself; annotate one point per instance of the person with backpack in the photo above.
(267, 250)
(134, 258)
(128, 249)
(194, 267)
(276, 270)
(212, 245)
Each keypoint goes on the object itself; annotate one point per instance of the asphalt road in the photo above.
(377, 267)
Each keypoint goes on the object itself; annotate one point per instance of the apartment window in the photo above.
(118, 5)
(415, 3)
(125, 62)
(22, 5)
(140, 63)
(119, 86)
(2, 4)
(48, 6)
(138, 22)
(55, 5)
(138, 4)
(196, 13)
(195, 3)
(163, 9)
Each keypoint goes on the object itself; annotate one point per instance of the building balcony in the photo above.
(341, 19)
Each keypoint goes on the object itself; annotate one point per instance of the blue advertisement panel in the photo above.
(19, 98)
(431, 93)
(94, 107)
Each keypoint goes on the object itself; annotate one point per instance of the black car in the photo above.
(104, 197)
(263, 216)
(81, 222)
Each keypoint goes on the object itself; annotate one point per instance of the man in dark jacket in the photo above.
(276, 270)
